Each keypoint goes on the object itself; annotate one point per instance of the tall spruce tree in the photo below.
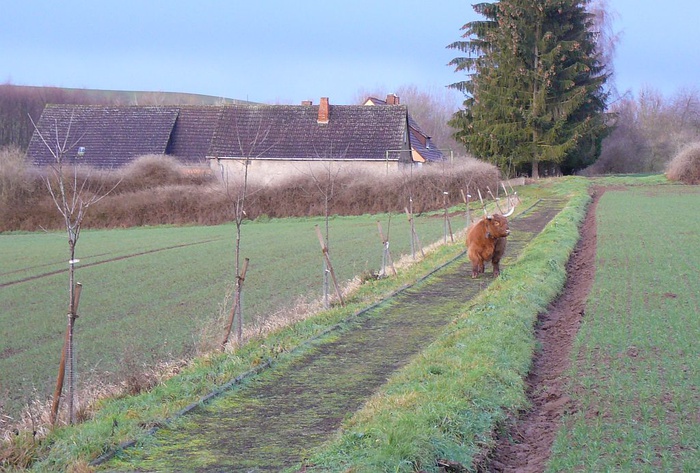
(534, 91)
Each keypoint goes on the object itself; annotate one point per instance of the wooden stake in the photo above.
(414, 236)
(55, 404)
(385, 243)
(236, 308)
(324, 250)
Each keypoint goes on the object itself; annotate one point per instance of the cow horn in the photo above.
(510, 202)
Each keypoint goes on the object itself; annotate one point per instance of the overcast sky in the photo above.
(288, 51)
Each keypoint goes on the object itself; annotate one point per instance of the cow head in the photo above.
(496, 226)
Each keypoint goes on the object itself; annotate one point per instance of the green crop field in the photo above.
(635, 369)
(636, 365)
(151, 294)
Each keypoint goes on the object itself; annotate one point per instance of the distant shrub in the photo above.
(18, 187)
(158, 190)
(154, 170)
(14, 180)
(685, 166)
(150, 171)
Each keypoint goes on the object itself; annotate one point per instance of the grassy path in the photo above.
(274, 418)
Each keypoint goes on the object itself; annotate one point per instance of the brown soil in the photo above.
(526, 443)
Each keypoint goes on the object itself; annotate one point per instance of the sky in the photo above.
(283, 52)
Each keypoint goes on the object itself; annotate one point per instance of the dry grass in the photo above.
(156, 190)
(685, 166)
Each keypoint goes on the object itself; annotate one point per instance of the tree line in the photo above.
(648, 131)
(19, 103)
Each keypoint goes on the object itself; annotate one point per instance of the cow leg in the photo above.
(475, 270)
(499, 250)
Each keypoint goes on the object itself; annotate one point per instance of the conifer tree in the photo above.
(535, 90)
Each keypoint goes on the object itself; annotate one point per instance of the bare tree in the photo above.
(606, 38)
(251, 141)
(431, 108)
(325, 178)
(237, 195)
(649, 131)
(73, 195)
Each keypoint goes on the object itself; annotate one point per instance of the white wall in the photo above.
(270, 171)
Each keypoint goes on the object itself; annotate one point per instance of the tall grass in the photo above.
(636, 362)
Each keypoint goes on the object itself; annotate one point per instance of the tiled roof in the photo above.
(111, 136)
(420, 141)
(115, 135)
(193, 132)
(292, 132)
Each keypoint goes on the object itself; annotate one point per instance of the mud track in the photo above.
(526, 444)
(272, 419)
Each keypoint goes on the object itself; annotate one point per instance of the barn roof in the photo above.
(114, 135)
(193, 131)
(292, 132)
(420, 141)
(111, 135)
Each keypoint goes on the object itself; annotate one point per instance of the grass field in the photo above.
(636, 363)
(153, 293)
(634, 380)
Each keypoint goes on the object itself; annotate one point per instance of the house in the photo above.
(272, 141)
(422, 147)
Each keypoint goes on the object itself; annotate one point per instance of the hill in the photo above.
(20, 104)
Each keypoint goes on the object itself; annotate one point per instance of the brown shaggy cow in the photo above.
(486, 241)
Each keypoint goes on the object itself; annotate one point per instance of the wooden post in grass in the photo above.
(386, 255)
(326, 257)
(236, 308)
(62, 365)
(414, 235)
(447, 224)
(465, 198)
(496, 199)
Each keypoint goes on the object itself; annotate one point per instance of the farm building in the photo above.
(275, 141)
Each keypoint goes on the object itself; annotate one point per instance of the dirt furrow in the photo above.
(526, 444)
(269, 422)
(108, 260)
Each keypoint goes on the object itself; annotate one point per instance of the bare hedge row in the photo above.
(685, 166)
(156, 190)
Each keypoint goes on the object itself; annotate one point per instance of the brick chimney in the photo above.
(392, 99)
(307, 102)
(324, 111)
